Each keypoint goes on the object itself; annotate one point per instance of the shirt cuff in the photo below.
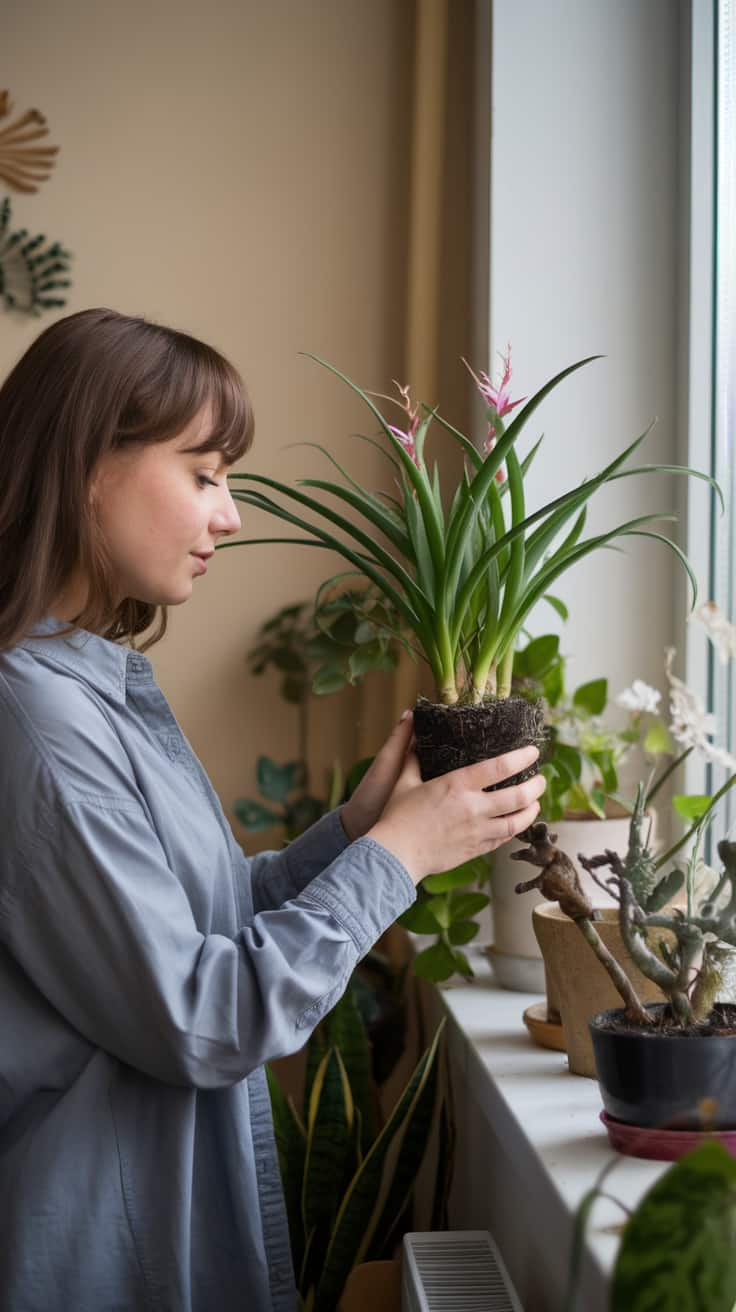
(366, 889)
(315, 849)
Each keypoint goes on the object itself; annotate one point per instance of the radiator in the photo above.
(455, 1271)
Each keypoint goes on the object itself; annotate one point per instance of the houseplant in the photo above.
(316, 649)
(579, 984)
(673, 1064)
(463, 579)
(677, 1247)
(349, 1178)
(582, 756)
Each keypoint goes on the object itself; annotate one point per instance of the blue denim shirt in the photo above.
(147, 971)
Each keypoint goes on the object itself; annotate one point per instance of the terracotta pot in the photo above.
(372, 1285)
(581, 986)
(515, 953)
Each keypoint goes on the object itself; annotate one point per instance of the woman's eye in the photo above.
(204, 481)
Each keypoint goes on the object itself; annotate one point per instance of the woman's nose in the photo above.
(226, 519)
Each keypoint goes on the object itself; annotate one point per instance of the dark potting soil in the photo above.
(448, 737)
(722, 1022)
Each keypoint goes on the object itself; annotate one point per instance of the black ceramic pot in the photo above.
(657, 1080)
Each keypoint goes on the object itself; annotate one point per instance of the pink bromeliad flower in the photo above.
(497, 397)
(406, 437)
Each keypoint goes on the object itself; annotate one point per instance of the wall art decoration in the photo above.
(32, 269)
(22, 166)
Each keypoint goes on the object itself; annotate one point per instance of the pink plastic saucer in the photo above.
(661, 1145)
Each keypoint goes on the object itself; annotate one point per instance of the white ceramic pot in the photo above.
(517, 961)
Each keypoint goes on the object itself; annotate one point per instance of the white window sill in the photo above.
(529, 1146)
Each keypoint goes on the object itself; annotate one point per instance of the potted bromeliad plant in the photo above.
(462, 567)
(464, 578)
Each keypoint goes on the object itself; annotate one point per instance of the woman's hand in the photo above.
(370, 797)
(437, 825)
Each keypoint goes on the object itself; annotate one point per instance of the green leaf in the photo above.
(329, 1141)
(276, 781)
(461, 931)
(552, 808)
(678, 1250)
(328, 679)
(570, 758)
(604, 762)
(467, 904)
(420, 918)
(691, 806)
(553, 684)
(592, 697)
(435, 963)
(658, 739)
(366, 632)
(371, 656)
(344, 1029)
(597, 799)
(578, 799)
(402, 1179)
(629, 735)
(441, 908)
(462, 965)
(459, 875)
(557, 605)
(540, 654)
(288, 661)
(290, 1138)
(254, 816)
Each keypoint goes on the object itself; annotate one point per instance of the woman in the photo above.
(148, 969)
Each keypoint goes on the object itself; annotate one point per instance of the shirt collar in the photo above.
(106, 665)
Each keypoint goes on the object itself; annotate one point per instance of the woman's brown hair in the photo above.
(91, 383)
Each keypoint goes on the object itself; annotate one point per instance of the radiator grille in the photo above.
(455, 1271)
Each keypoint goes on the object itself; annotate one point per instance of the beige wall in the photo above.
(238, 170)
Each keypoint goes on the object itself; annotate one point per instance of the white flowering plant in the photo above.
(585, 751)
(689, 727)
(693, 971)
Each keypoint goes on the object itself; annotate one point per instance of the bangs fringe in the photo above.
(232, 414)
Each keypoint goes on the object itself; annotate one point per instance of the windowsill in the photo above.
(529, 1146)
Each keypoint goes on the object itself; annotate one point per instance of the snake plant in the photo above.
(347, 1184)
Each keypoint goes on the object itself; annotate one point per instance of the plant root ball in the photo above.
(449, 737)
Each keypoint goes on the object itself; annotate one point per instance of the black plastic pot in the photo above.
(661, 1080)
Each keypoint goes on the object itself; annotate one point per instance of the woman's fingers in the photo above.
(516, 796)
(504, 827)
(483, 774)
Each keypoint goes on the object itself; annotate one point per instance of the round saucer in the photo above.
(547, 1033)
(661, 1145)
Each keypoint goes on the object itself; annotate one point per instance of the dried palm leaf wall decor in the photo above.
(24, 166)
(32, 269)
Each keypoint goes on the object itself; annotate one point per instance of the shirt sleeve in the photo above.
(277, 876)
(93, 914)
